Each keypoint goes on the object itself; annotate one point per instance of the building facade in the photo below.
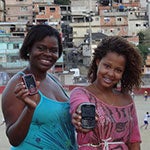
(19, 10)
(47, 13)
(2, 10)
(9, 53)
(77, 22)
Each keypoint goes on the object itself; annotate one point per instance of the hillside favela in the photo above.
(82, 25)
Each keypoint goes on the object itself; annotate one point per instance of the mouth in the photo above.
(47, 62)
(107, 80)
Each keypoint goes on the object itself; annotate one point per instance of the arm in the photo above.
(17, 112)
(134, 146)
(77, 97)
(135, 138)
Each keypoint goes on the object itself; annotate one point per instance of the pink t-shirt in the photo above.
(116, 126)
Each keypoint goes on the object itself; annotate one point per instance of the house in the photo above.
(9, 53)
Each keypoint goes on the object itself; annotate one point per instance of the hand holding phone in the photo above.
(88, 115)
(30, 83)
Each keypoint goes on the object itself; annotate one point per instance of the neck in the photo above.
(38, 75)
(102, 89)
(107, 95)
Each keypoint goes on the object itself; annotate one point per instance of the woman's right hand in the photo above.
(23, 94)
(76, 120)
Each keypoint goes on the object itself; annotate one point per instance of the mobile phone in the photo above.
(88, 115)
(30, 83)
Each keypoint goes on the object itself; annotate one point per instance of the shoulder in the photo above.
(14, 80)
(54, 78)
(79, 93)
(124, 98)
(78, 96)
(78, 90)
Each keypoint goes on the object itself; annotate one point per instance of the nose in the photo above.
(47, 50)
(111, 72)
(49, 54)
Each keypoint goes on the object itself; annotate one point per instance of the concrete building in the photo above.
(113, 21)
(137, 21)
(13, 28)
(81, 20)
(65, 14)
(19, 11)
(2, 10)
(125, 19)
(48, 1)
(47, 13)
(83, 28)
(148, 11)
(85, 19)
(9, 49)
(80, 6)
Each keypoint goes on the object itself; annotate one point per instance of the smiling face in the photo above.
(110, 69)
(44, 54)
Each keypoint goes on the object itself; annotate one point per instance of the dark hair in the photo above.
(38, 33)
(133, 70)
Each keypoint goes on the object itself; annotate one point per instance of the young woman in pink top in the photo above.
(115, 62)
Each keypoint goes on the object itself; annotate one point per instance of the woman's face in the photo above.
(44, 54)
(110, 69)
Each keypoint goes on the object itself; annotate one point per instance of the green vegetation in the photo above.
(144, 43)
(144, 51)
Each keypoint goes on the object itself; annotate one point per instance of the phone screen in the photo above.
(30, 83)
(88, 116)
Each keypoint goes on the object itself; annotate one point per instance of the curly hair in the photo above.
(38, 33)
(133, 70)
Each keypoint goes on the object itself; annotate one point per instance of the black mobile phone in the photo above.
(30, 83)
(88, 115)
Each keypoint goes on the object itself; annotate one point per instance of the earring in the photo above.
(118, 84)
(28, 54)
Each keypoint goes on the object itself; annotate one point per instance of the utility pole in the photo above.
(90, 36)
(89, 14)
(90, 30)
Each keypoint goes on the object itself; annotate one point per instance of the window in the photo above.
(41, 9)
(118, 19)
(106, 19)
(22, 18)
(137, 25)
(24, 8)
(15, 45)
(21, 0)
(10, 46)
(52, 9)
(97, 19)
(63, 8)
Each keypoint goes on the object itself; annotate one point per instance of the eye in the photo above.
(118, 70)
(41, 48)
(107, 66)
(53, 50)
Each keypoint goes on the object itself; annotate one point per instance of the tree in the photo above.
(144, 37)
(144, 51)
(144, 43)
(141, 37)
